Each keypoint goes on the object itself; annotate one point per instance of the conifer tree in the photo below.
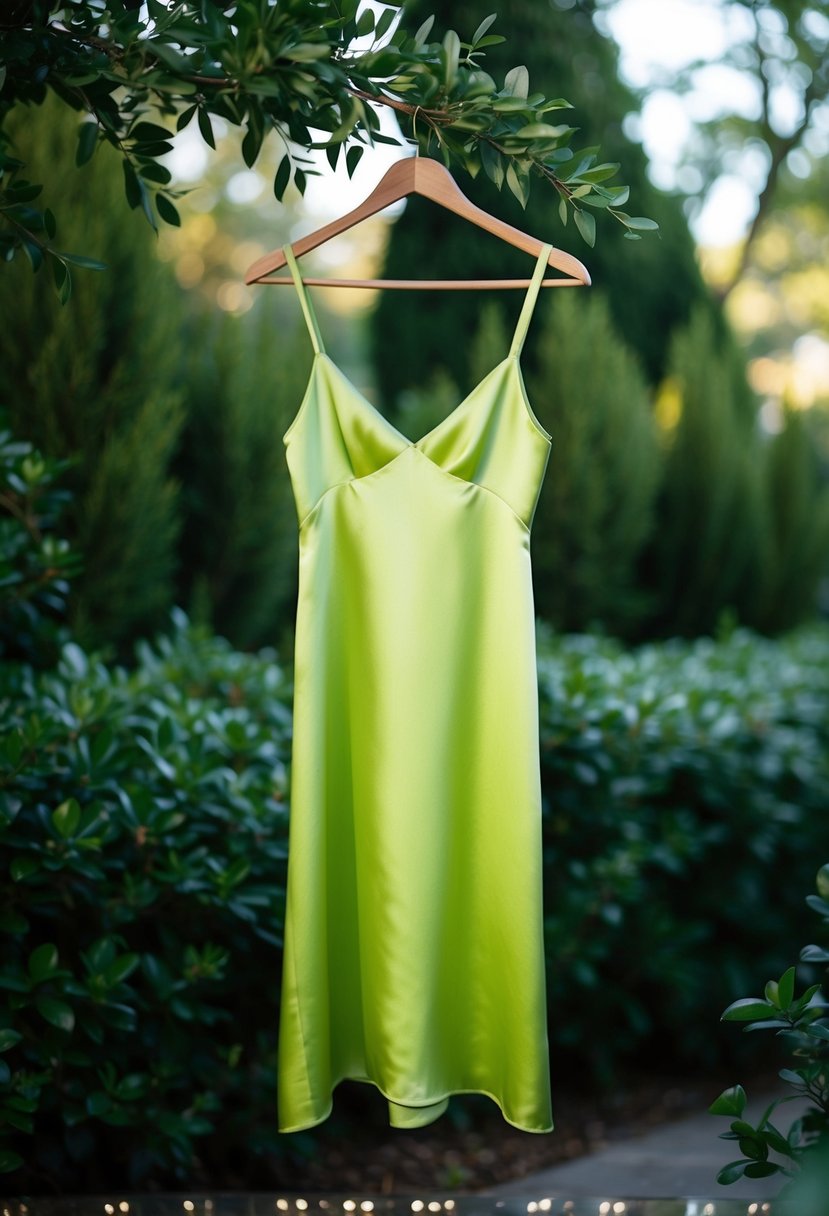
(419, 410)
(244, 382)
(92, 381)
(595, 510)
(709, 550)
(798, 508)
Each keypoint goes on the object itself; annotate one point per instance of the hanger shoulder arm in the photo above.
(419, 175)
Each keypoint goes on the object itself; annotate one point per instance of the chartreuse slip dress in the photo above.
(413, 953)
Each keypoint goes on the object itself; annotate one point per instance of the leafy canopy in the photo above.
(314, 71)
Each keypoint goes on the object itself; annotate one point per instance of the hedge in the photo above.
(143, 838)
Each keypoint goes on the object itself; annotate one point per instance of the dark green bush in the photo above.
(36, 563)
(143, 831)
(686, 788)
(143, 838)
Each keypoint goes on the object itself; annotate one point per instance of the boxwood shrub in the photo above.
(143, 825)
(686, 789)
(143, 843)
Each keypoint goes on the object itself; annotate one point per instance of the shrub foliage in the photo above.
(143, 830)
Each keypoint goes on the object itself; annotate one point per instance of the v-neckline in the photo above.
(438, 427)
(513, 356)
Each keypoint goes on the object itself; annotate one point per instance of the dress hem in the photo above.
(298, 1127)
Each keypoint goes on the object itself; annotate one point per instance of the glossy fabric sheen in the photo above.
(413, 954)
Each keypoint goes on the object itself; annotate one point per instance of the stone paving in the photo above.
(678, 1160)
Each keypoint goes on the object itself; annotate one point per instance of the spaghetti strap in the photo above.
(305, 300)
(529, 302)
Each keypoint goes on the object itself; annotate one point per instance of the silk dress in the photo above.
(413, 951)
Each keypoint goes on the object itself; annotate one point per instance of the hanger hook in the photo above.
(414, 130)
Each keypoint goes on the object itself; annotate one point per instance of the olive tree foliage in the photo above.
(314, 71)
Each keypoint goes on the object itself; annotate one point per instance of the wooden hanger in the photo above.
(421, 175)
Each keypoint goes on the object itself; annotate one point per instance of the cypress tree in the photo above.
(595, 510)
(91, 380)
(244, 381)
(651, 284)
(710, 549)
(798, 507)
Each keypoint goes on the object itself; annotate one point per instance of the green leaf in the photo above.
(786, 987)
(586, 224)
(540, 130)
(49, 224)
(753, 1147)
(63, 280)
(9, 1160)
(641, 223)
(823, 882)
(132, 187)
(87, 142)
(353, 157)
(43, 962)
(816, 1032)
(505, 105)
(424, 31)
(55, 1011)
(306, 52)
(554, 103)
(22, 867)
(252, 141)
(748, 1009)
(517, 82)
(761, 1169)
(518, 184)
(599, 173)
(134, 1085)
(563, 211)
(206, 127)
(185, 117)
(731, 1172)
(493, 163)
(731, 1102)
(451, 57)
(33, 252)
(483, 27)
(818, 905)
(120, 968)
(385, 22)
(152, 172)
(78, 259)
(67, 817)
(167, 210)
(365, 23)
(775, 1140)
(179, 64)
(149, 133)
(814, 954)
(9, 1038)
(282, 176)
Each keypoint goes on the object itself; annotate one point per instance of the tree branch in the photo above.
(780, 149)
